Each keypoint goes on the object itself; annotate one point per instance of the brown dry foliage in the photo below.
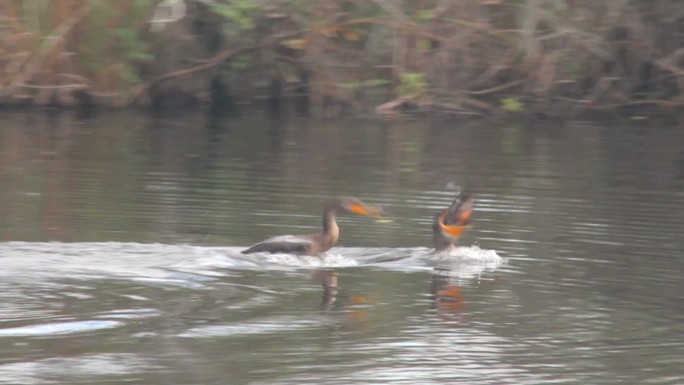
(558, 57)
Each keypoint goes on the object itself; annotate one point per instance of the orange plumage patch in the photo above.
(450, 292)
(454, 230)
(358, 300)
(451, 299)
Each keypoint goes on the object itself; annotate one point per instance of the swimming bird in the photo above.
(450, 223)
(316, 243)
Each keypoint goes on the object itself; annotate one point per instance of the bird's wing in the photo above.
(287, 244)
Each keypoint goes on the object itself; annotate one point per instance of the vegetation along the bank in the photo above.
(552, 57)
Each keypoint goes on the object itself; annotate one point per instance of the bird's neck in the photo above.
(330, 229)
(441, 242)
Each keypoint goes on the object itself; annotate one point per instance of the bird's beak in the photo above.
(366, 210)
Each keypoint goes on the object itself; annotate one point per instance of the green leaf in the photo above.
(376, 82)
(512, 105)
(424, 15)
(222, 10)
(412, 83)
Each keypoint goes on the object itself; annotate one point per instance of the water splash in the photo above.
(470, 254)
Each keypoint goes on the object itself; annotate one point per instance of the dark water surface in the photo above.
(120, 263)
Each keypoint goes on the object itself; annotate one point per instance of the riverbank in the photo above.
(477, 58)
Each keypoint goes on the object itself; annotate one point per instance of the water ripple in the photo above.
(58, 328)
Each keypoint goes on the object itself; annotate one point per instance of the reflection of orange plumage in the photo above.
(357, 313)
(450, 298)
(357, 300)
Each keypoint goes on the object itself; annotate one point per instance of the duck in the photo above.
(316, 243)
(450, 223)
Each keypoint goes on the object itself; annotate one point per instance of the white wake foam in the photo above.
(470, 254)
(306, 261)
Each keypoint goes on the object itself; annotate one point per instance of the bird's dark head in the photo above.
(451, 222)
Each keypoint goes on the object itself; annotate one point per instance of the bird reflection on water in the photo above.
(352, 306)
